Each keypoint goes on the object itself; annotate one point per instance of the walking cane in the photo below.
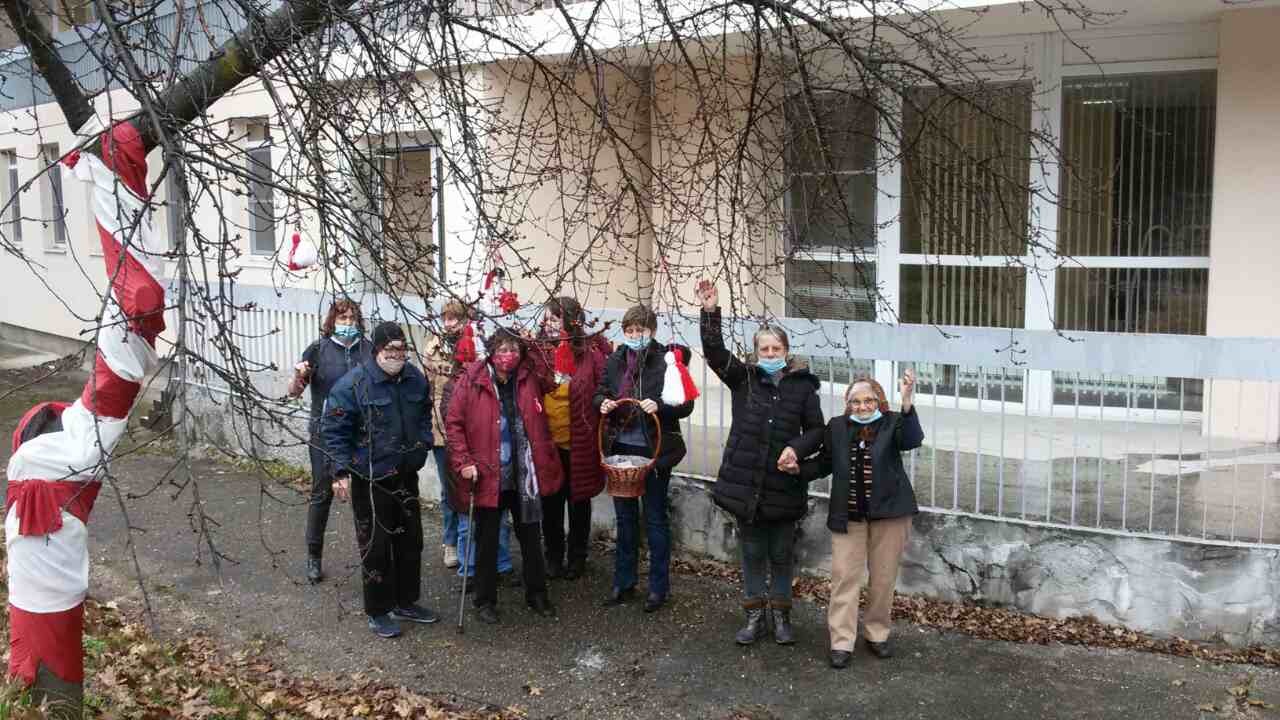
(466, 556)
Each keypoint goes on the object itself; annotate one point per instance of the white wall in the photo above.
(1244, 264)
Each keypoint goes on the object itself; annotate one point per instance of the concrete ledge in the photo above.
(57, 345)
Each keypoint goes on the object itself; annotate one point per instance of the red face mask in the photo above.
(506, 361)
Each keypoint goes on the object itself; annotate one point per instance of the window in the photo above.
(13, 196)
(831, 206)
(965, 195)
(262, 222)
(54, 207)
(1138, 183)
(1137, 187)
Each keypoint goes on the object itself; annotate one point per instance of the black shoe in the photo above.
(757, 625)
(576, 569)
(415, 613)
(384, 626)
(542, 606)
(840, 659)
(487, 614)
(882, 650)
(314, 572)
(654, 602)
(619, 597)
(782, 632)
(555, 569)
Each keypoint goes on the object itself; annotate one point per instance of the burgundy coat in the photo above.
(474, 436)
(586, 476)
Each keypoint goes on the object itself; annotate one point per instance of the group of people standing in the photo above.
(514, 431)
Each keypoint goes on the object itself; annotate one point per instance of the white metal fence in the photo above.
(1163, 435)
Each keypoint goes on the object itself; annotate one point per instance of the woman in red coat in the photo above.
(501, 450)
(578, 361)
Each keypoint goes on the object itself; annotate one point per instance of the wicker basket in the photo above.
(625, 474)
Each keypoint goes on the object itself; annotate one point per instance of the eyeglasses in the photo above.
(865, 402)
(395, 352)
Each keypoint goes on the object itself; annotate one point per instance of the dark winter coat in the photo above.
(371, 417)
(652, 369)
(586, 476)
(767, 416)
(329, 362)
(474, 432)
(891, 492)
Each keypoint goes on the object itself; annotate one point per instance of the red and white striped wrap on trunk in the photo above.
(54, 470)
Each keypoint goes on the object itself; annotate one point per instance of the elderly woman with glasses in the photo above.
(870, 509)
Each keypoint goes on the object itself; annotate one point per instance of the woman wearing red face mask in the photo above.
(501, 451)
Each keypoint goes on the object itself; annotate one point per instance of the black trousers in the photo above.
(321, 497)
(488, 520)
(389, 531)
(553, 512)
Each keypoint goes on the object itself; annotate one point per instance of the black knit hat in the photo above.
(385, 334)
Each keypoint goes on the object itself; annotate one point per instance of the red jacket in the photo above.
(586, 476)
(474, 436)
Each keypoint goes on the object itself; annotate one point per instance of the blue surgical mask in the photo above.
(636, 343)
(771, 365)
(868, 420)
(346, 332)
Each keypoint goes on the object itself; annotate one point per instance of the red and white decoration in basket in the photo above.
(60, 448)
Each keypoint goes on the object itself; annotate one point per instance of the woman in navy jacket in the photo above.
(870, 510)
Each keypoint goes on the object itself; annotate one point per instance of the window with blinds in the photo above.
(1137, 183)
(262, 220)
(965, 174)
(831, 206)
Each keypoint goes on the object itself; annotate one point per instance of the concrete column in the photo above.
(1244, 262)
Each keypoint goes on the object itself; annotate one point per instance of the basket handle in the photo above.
(657, 448)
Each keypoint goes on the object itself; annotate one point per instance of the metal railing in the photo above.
(1162, 435)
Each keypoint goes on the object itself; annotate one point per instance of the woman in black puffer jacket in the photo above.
(774, 401)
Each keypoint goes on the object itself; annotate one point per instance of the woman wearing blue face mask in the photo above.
(341, 347)
(637, 370)
(774, 401)
(870, 509)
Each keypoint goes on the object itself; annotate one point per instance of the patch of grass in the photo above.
(15, 703)
(221, 696)
(94, 647)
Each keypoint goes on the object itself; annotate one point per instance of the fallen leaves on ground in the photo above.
(1010, 625)
(130, 674)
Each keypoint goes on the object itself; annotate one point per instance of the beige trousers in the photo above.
(873, 548)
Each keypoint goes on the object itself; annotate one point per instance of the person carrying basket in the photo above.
(775, 399)
(646, 436)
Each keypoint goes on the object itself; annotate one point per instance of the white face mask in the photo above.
(390, 366)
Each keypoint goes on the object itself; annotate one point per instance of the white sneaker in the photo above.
(450, 556)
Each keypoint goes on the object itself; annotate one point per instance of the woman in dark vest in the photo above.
(870, 509)
(775, 400)
(637, 370)
(341, 346)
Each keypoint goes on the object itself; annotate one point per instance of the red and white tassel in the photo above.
(302, 254)
(677, 382)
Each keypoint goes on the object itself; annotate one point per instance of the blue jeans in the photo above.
(446, 507)
(456, 532)
(767, 561)
(657, 529)
(465, 545)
